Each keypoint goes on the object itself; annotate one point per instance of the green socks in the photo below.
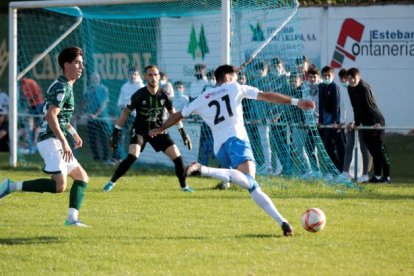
(77, 193)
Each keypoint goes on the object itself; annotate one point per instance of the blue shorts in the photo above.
(234, 152)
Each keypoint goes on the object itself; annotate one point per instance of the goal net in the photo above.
(184, 38)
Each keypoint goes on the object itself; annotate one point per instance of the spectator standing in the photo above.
(166, 84)
(96, 100)
(34, 95)
(312, 86)
(198, 86)
(298, 123)
(132, 85)
(367, 113)
(350, 134)
(330, 115)
(303, 65)
(180, 99)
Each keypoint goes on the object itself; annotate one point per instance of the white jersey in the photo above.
(221, 108)
(127, 90)
(197, 88)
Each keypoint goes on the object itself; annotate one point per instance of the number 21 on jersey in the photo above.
(218, 118)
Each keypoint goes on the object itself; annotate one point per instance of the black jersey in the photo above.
(149, 108)
(366, 111)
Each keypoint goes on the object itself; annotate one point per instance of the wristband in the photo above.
(72, 131)
(179, 125)
(294, 101)
(118, 127)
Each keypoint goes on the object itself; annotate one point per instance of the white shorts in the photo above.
(51, 152)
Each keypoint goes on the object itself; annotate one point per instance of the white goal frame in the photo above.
(14, 77)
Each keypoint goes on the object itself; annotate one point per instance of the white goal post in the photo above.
(14, 76)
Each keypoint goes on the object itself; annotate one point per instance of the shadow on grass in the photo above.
(260, 236)
(176, 238)
(31, 240)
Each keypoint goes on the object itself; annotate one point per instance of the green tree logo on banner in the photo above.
(198, 48)
(258, 34)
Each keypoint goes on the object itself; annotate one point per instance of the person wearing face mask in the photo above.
(312, 85)
(330, 115)
(279, 76)
(180, 99)
(265, 116)
(166, 84)
(350, 134)
(95, 105)
(199, 85)
(367, 113)
(304, 64)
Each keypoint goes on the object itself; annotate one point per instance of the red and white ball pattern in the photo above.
(313, 220)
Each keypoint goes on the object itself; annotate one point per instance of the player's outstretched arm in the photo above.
(172, 120)
(181, 130)
(278, 98)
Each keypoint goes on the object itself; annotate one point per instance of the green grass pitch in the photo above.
(147, 226)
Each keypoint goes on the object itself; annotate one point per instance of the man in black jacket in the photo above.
(367, 113)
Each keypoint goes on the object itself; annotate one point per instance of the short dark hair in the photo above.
(132, 69)
(222, 70)
(68, 55)
(260, 65)
(301, 60)
(210, 74)
(313, 70)
(276, 61)
(152, 66)
(352, 72)
(327, 69)
(199, 66)
(342, 73)
(178, 83)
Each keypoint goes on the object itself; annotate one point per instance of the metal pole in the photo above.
(225, 31)
(356, 153)
(13, 86)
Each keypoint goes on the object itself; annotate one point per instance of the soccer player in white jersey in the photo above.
(220, 107)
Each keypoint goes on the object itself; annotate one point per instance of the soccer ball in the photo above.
(313, 220)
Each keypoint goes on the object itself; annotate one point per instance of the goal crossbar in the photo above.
(71, 3)
(14, 76)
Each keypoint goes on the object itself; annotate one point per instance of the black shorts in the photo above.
(159, 143)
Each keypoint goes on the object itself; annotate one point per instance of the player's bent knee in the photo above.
(79, 173)
(253, 183)
(60, 187)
